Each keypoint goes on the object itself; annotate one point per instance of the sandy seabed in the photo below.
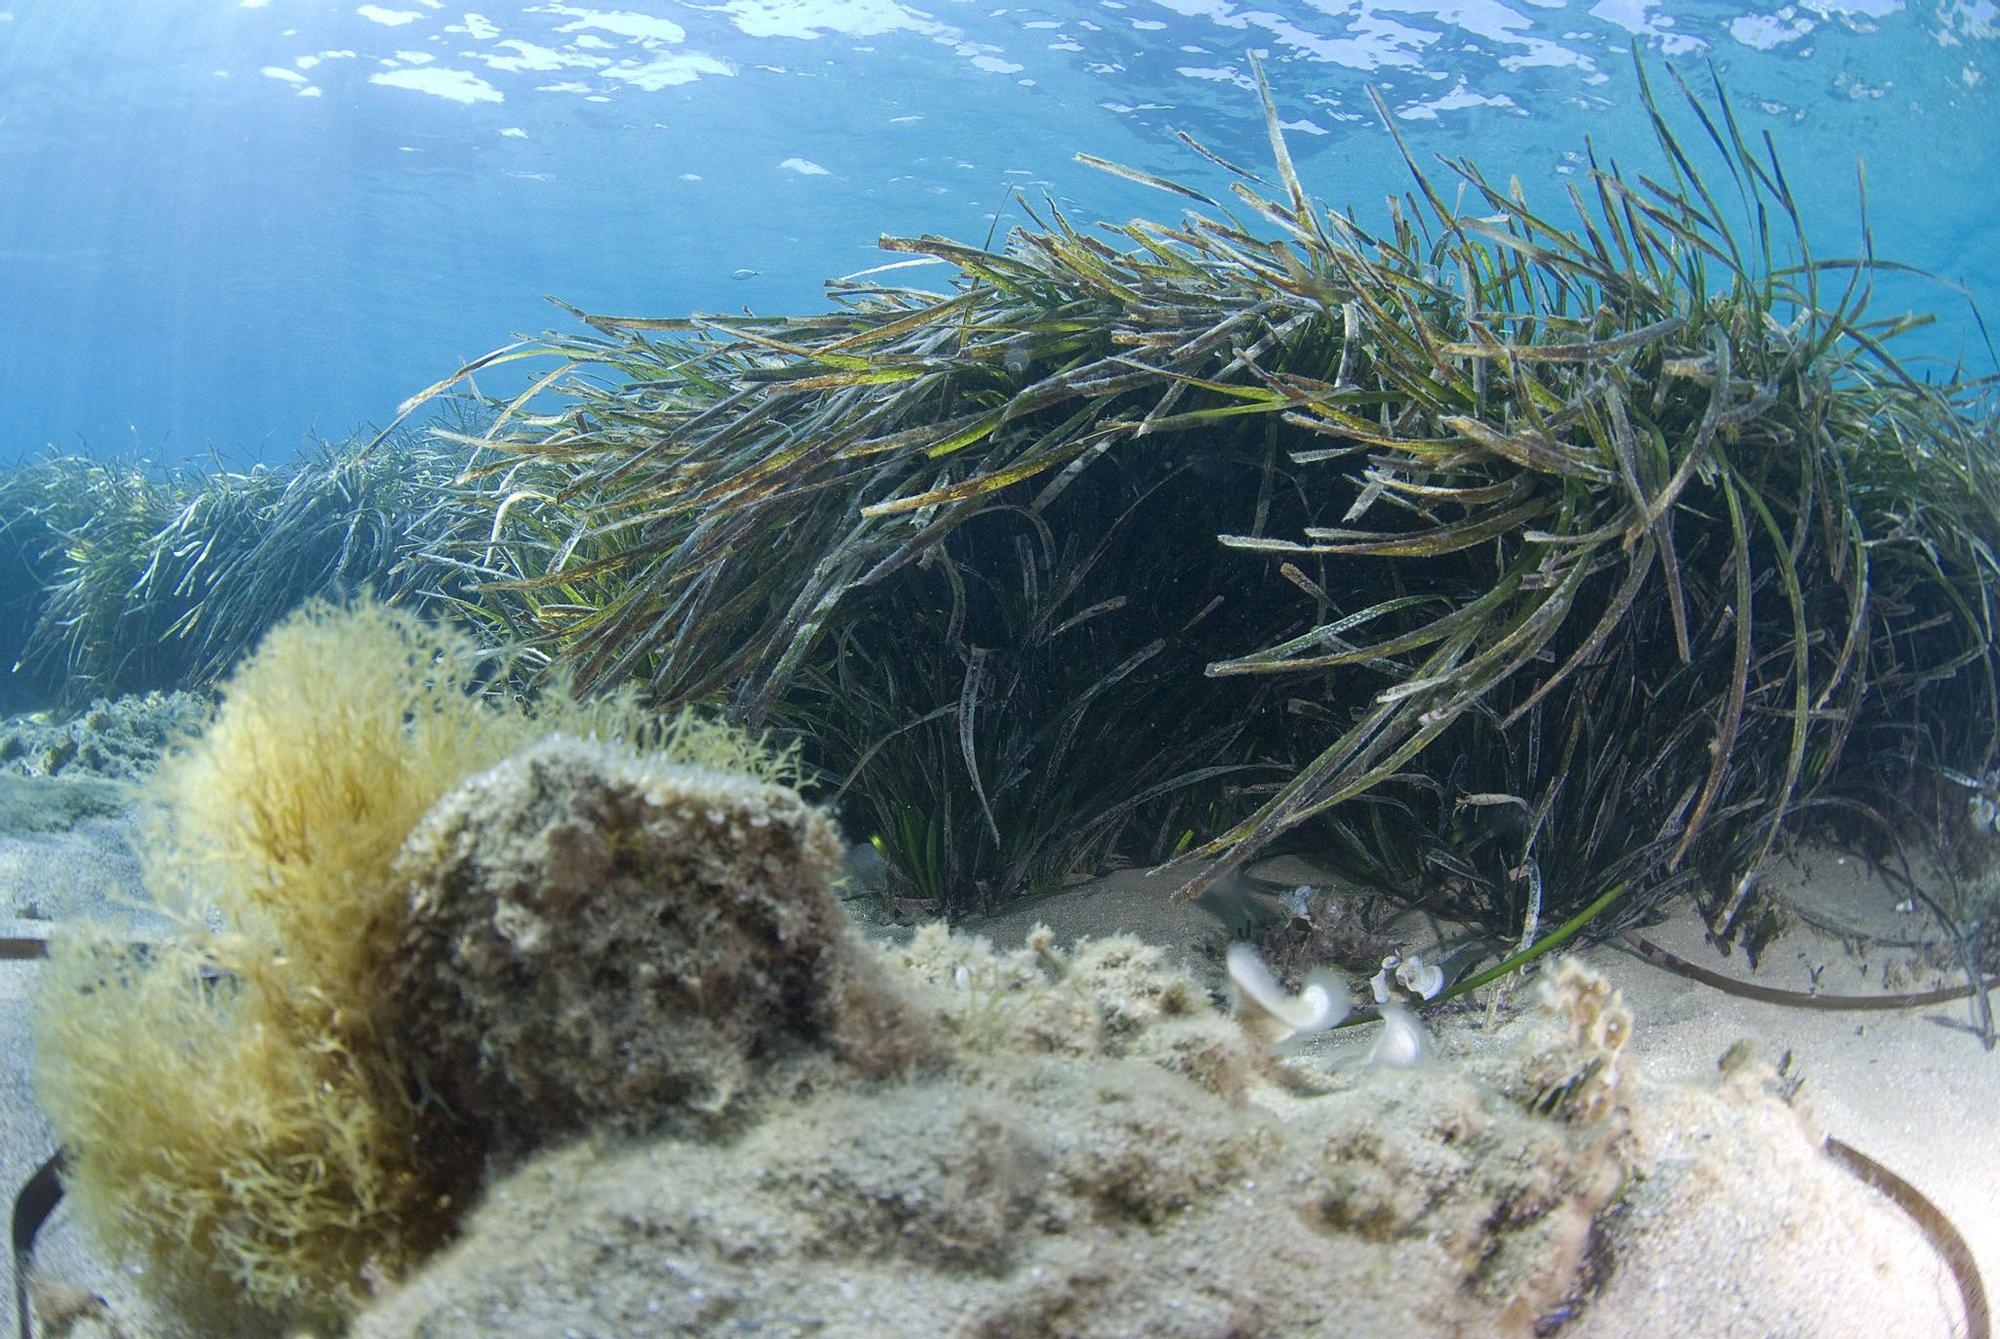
(1738, 1224)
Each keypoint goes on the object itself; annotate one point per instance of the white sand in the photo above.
(1912, 1089)
(45, 878)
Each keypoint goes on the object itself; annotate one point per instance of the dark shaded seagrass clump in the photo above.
(1543, 561)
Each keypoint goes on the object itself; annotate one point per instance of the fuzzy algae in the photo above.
(238, 1109)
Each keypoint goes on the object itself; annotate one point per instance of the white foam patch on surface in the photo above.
(453, 85)
(280, 72)
(1215, 74)
(1371, 39)
(415, 57)
(639, 27)
(805, 167)
(666, 71)
(514, 132)
(476, 26)
(1764, 32)
(806, 20)
(515, 55)
(1509, 27)
(1548, 55)
(1636, 17)
(1459, 98)
(809, 19)
(310, 91)
(1371, 48)
(388, 18)
(1971, 20)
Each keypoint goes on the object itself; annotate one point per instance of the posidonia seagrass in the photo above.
(1519, 552)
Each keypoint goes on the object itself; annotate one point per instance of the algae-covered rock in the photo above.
(241, 1129)
(1053, 1178)
(57, 804)
(597, 939)
(1096, 1151)
(118, 739)
(1034, 1192)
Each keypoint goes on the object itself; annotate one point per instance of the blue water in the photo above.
(232, 225)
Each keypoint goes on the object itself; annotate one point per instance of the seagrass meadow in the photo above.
(1541, 558)
(124, 576)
